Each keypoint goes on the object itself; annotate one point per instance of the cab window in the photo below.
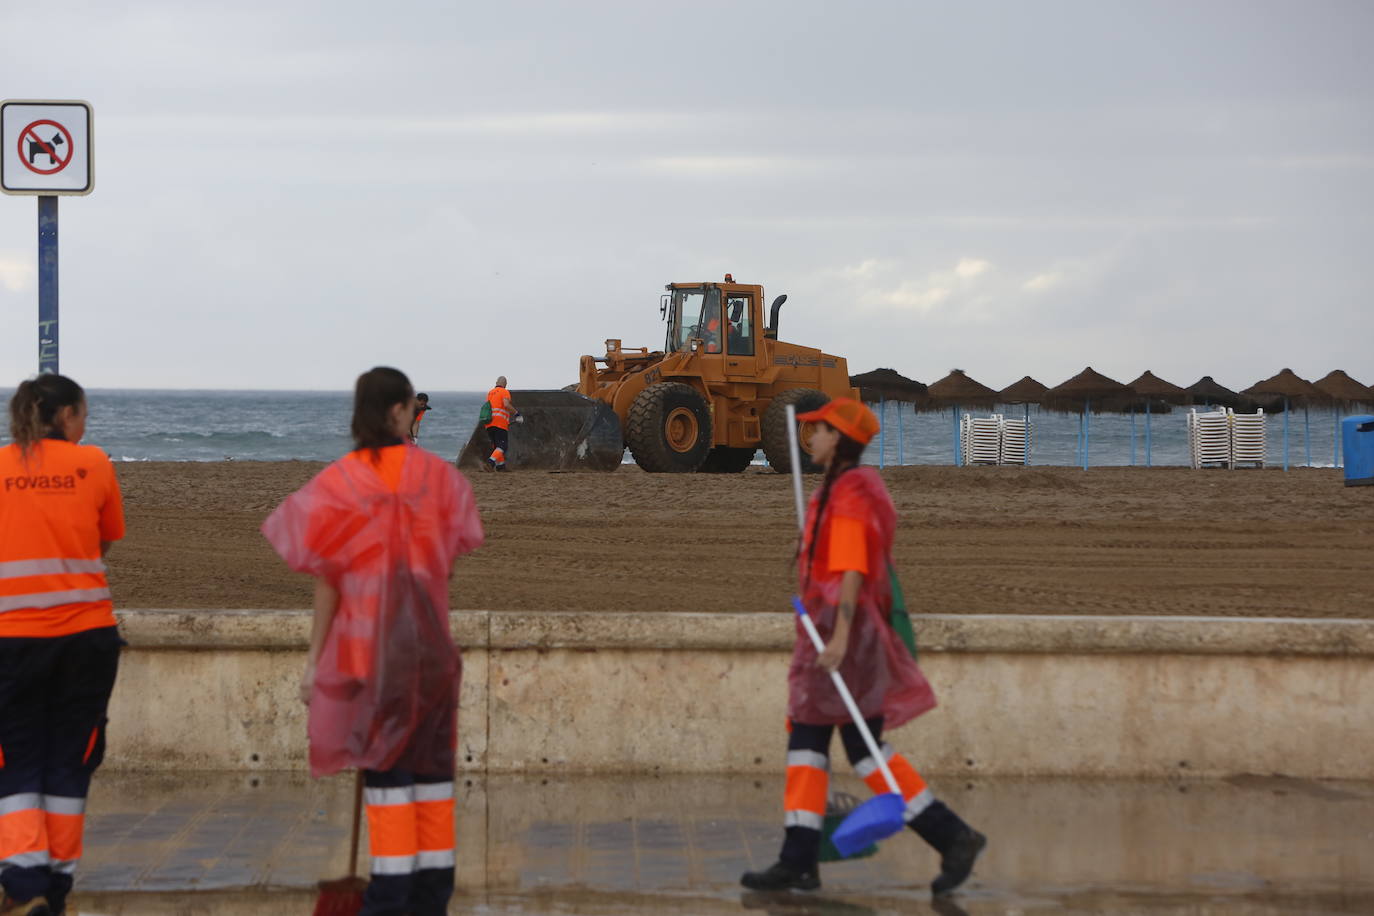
(738, 326)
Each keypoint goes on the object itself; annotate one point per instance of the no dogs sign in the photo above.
(45, 148)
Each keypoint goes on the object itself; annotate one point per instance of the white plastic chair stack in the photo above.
(1247, 438)
(1016, 437)
(982, 439)
(1209, 438)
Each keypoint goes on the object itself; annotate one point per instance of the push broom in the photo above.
(344, 896)
(882, 815)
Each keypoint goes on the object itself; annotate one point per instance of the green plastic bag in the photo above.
(899, 618)
(484, 415)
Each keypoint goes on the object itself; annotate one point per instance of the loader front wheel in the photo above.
(775, 446)
(669, 428)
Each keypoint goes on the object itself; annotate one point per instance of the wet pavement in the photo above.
(230, 844)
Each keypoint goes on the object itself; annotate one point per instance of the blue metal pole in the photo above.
(1026, 461)
(47, 284)
(1087, 430)
(882, 430)
(1307, 434)
(1285, 433)
(1147, 434)
(1132, 436)
(901, 436)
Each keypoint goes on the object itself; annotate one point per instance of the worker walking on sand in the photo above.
(379, 529)
(501, 408)
(421, 405)
(60, 509)
(844, 571)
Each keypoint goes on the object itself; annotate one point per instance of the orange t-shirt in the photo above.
(500, 416)
(56, 507)
(841, 545)
(388, 463)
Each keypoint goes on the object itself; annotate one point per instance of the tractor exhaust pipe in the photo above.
(772, 329)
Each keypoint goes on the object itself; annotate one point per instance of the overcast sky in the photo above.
(289, 193)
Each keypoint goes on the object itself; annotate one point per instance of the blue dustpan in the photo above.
(876, 819)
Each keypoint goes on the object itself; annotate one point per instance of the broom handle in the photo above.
(357, 821)
(849, 703)
(810, 627)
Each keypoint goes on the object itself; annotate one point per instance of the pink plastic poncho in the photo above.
(877, 668)
(386, 684)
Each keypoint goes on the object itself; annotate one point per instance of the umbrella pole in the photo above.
(1087, 430)
(958, 453)
(1285, 433)
(901, 437)
(1026, 460)
(1132, 436)
(882, 431)
(1307, 434)
(1147, 435)
(1336, 437)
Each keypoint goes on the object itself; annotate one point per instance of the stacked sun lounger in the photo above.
(1016, 437)
(993, 440)
(1225, 438)
(982, 439)
(1247, 439)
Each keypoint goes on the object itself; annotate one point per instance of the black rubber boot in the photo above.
(781, 877)
(959, 845)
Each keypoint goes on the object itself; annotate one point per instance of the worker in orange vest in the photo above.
(379, 530)
(60, 509)
(498, 428)
(421, 405)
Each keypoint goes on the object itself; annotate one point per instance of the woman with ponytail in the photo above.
(844, 575)
(60, 509)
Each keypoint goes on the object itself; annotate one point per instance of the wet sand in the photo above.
(972, 540)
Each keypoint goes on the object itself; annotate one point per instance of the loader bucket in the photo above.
(562, 431)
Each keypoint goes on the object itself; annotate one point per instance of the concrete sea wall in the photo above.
(705, 693)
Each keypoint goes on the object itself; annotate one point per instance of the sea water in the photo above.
(146, 425)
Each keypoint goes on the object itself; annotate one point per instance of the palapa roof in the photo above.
(887, 384)
(1340, 387)
(1208, 391)
(1088, 385)
(960, 390)
(1153, 387)
(1026, 391)
(1287, 384)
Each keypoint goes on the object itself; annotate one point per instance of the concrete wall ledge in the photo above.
(937, 633)
(706, 693)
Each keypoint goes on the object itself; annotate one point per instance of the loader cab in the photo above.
(723, 319)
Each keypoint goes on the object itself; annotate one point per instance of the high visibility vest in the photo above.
(56, 507)
(500, 416)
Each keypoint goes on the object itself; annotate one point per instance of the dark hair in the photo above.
(377, 391)
(35, 405)
(847, 454)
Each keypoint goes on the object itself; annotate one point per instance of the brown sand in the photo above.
(972, 541)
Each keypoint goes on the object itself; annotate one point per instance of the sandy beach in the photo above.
(972, 541)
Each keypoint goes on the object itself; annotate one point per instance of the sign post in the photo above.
(46, 150)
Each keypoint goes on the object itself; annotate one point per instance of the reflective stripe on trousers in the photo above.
(410, 828)
(40, 830)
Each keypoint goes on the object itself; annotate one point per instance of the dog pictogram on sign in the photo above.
(33, 146)
(46, 147)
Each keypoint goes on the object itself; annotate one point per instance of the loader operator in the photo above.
(498, 429)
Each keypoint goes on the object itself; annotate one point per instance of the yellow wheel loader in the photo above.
(716, 393)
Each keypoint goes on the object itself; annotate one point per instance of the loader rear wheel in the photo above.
(775, 429)
(726, 460)
(669, 428)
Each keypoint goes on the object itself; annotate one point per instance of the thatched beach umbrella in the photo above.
(883, 385)
(1209, 392)
(1287, 385)
(1025, 392)
(1153, 388)
(1081, 390)
(954, 391)
(1344, 393)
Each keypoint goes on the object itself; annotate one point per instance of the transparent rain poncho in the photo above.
(385, 694)
(878, 668)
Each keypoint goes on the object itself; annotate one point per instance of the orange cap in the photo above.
(847, 415)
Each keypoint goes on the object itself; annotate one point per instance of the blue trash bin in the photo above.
(1357, 438)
